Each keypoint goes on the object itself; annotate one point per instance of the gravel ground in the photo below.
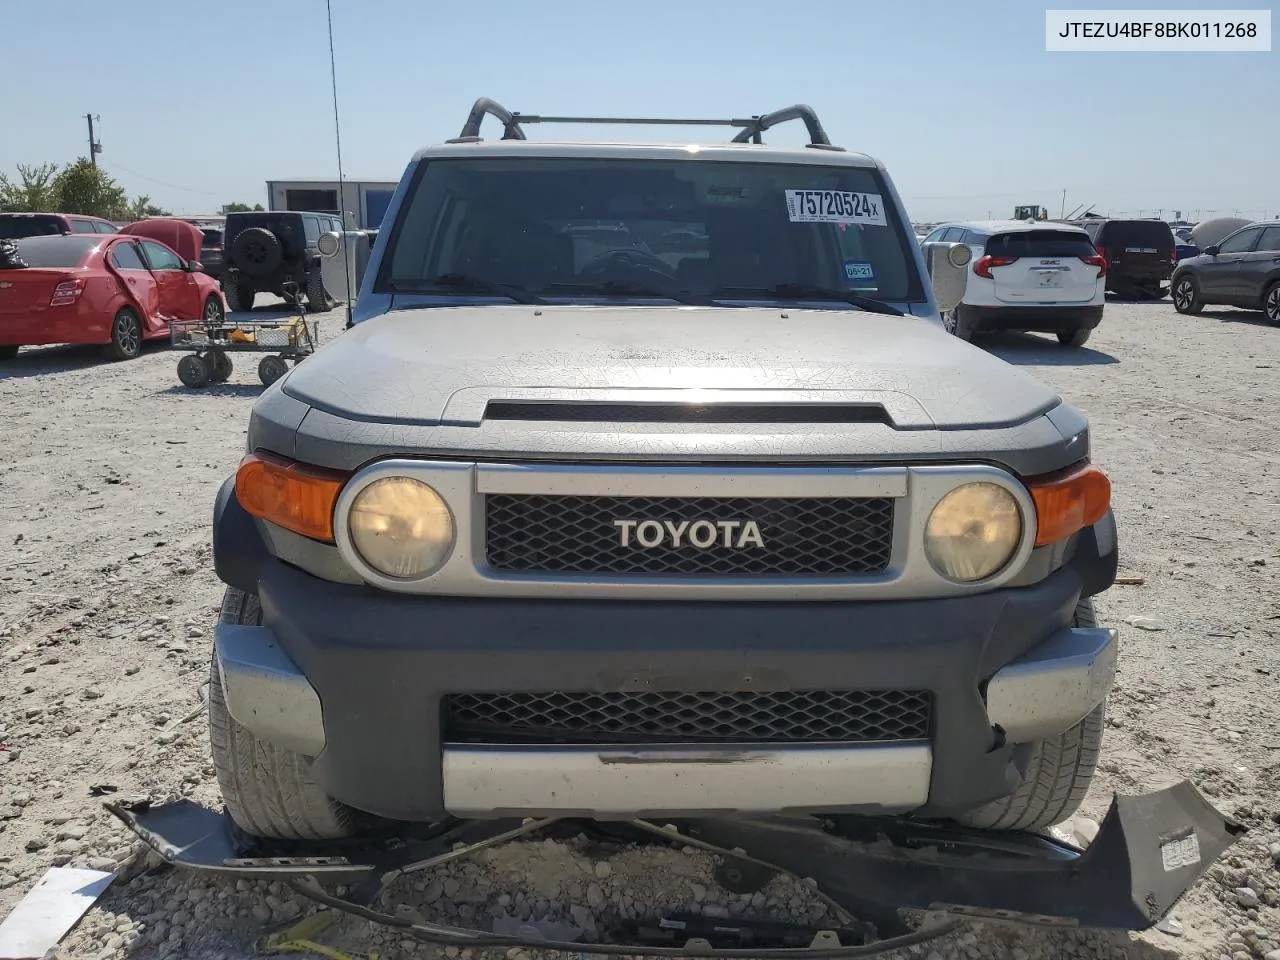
(109, 599)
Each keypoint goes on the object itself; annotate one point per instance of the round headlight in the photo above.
(973, 532)
(401, 527)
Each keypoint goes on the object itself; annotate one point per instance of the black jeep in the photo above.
(266, 250)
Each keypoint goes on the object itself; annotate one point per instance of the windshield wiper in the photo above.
(616, 288)
(463, 282)
(797, 291)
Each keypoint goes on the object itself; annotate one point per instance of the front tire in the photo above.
(214, 314)
(126, 336)
(957, 324)
(268, 790)
(1058, 773)
(1186, 296)
(1074, 338)
(1270, 303)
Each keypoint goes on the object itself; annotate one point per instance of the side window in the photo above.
(104, 227)
(124, 256)
(936, 235)
(82, 226)
(952, 234)
(161, 258)
(974, 239)
(1270, 240)
(312, 227)
(335, 225)
(1242, 242)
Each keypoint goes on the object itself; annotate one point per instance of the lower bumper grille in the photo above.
(811, 716)
(692, 536)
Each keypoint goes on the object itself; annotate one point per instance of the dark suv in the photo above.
(1139, 255)
(265, 250)
(211, 257)
(16, 226)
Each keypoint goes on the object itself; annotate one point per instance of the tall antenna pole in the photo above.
(344, 248)
(1063, 214)
(95, 147)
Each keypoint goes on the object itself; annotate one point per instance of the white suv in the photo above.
(1027, 275)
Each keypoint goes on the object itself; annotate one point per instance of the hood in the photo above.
(181, 237)
(450, 365)
(1208, 232)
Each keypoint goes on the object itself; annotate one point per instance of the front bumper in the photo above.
(355, 677)
(1148, 852)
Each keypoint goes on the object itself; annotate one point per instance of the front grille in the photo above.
(833, 536)
(809, 716)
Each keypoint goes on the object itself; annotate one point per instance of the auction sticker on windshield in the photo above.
(835, 206)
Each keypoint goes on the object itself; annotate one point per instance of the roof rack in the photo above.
(750, 128)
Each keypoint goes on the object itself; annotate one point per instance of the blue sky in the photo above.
(959, 99)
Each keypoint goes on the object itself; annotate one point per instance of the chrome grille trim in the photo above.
(915, 490)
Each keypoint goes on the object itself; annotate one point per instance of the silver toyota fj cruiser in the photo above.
(646, 481)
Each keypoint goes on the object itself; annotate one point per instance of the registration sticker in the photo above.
(835, 206)
(860, 273)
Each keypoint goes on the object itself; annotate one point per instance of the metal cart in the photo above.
(285, 339)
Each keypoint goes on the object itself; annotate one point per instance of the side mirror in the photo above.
(1211, 250)
(194, 266)
(947, 264)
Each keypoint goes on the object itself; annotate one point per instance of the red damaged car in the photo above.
(117, 290)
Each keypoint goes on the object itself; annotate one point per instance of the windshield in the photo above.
(646, 228)
(14, 228)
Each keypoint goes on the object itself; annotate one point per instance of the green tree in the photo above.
(87, 189)
(241, 208)
(33, 193)
(142, 207)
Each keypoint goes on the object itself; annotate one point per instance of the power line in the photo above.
(165, 183)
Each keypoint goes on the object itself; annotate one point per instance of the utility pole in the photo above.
(95, 147)
(1063, 214)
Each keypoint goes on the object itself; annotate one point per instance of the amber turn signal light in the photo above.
(291, 495)
(1068, 502)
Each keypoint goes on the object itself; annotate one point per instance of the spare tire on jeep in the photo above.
(257, 251)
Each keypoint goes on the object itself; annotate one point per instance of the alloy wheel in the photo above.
(128, 335)
(1184, 295)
